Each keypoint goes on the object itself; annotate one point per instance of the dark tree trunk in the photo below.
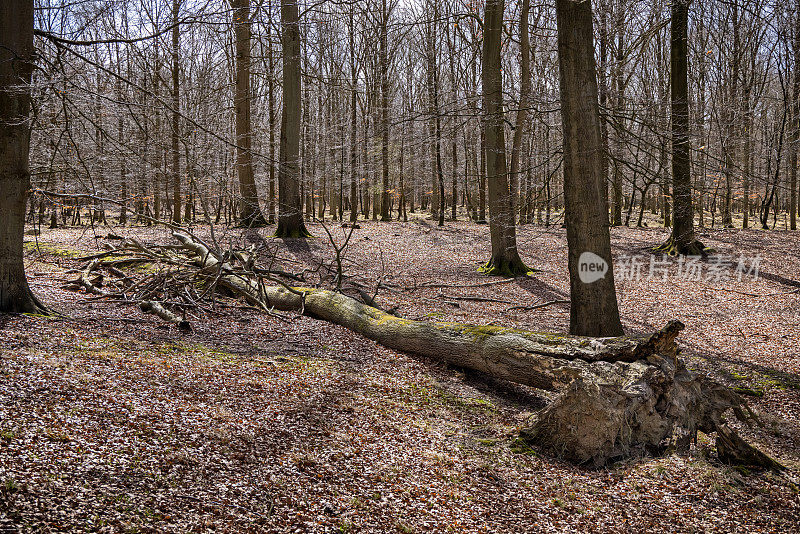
(16, 66)
(682, 240)
(593, 310)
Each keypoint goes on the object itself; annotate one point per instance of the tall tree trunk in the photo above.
(353, 119)
(271, 100)
(437, 198)
(384, 81)
(731, 143)
(701, 126)
(795, 123)
(290, 209)
(16, 66)
(176, 155)
(249, 211)
(482, 178)
(123, 214)
(505, 260)
(524, 95)
(603, 81)
(619, 87)
(593, 309)
(682, 240)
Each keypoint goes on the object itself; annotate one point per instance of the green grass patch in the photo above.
(55, 249)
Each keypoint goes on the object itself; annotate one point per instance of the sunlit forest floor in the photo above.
(112, 421)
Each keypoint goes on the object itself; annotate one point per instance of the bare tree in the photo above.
(505, 260)
(16, 66)
(593, 308)
(682, 240)
(290, 207)
(249, 211)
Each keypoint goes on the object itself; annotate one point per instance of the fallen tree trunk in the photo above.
(155, 308)
(618, 396)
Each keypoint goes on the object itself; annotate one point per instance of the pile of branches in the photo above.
(164, 279)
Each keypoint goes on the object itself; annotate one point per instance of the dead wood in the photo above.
(155, 308)
(617, 397)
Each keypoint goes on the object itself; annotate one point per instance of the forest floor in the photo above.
(112, 421)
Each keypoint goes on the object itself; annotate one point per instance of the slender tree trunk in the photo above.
(593, 308)
(290, 208)
(793, 146)
(505, 260)
(176, 155)
(384, 81)
(731, 141)
(271, 99)
(619, 86)
(123, 214)
(682, 240)
(701, 125)
(748, 157)
(482, 179)
(604, 91)
(16, 67)
(524, 95)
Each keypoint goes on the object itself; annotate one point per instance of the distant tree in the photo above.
(524, 95)
(505, 260)
(16, 67)
(593, 309)
(384, 83)
(176, 115)
(290, 207)
(682, 240)
(793, 146)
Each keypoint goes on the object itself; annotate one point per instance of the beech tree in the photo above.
(593, 307)
(682, 240)
(505, 258)
(16, 67)
(290, 207)
(249, 211)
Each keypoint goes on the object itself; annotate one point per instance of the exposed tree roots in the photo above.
(616, 397)
(256, 220)
(671, 248)
(507, 268)
(285, 232)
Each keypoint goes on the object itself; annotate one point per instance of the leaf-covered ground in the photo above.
(112, 421)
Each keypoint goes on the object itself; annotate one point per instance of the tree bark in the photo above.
(176, 118)
(793, 146)
(16, 67)
(524, 95)
(593, 309)
(249, 211)
(290, 208)
(353, 121)
(682, 240)
(505, 260)
(384, 81)
(271, 100)
(616, 396)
